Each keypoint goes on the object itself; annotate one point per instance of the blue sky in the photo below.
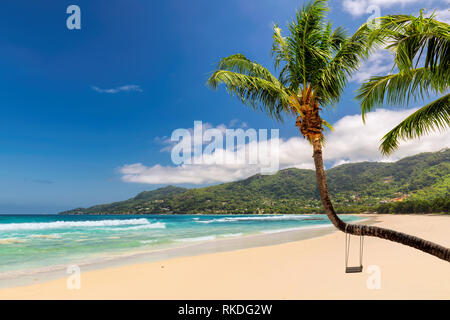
(76, 105)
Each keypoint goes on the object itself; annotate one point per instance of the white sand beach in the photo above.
(307, 269)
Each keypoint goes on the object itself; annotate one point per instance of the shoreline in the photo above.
(20, 278)
(305, 269)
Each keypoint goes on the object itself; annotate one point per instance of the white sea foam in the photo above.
(155, 225)
(147, 241)
(69, 224)
(257, 218)
(320, 226)
(231, 235)
(205, 238)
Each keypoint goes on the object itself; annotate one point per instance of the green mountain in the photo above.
(420, 183)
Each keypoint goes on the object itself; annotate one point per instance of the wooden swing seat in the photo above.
(356, 269)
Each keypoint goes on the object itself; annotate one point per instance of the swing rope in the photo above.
(347, 252)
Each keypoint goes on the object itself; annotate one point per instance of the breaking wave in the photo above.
(69, 224)
(205, 238)
(257, 218)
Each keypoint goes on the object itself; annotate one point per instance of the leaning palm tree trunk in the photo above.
(364, 230)
(314, 64)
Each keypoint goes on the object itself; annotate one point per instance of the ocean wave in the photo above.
(147, 241)
(320, 226)
(256, 218)
(231, 235)
(205, 238)
(69, 224)
(155, 225)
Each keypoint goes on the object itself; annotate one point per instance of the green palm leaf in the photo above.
(256, 92)
(398, 89)
(415, 41)
(434, 116)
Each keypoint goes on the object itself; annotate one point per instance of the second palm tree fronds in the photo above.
(314, 62)
(422, 63)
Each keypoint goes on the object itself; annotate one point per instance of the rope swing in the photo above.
(355, 269)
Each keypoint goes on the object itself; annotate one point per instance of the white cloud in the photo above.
(351, 141)
(358, 8)
(379, 63)
(354, 142)
(216, 172)
(125, 88)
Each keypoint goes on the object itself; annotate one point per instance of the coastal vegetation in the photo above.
(416, 184)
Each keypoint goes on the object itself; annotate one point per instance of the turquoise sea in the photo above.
(37, 242)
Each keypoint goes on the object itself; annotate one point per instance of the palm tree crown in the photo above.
(314, 62)
(422, 63)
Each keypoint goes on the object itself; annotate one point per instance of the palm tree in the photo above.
(422, 59)
(314, 63)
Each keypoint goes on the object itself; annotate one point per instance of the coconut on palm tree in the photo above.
(314, 62)
(422, 64)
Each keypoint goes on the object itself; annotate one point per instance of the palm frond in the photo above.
(338, 38)
(282, 57)
(240, 64)
(414, 38)
(258, 93)
(327, 125)
(345, 62)
(432, 117)
(398, 89)
(306, 50)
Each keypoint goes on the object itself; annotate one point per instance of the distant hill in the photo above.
(420, 183)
